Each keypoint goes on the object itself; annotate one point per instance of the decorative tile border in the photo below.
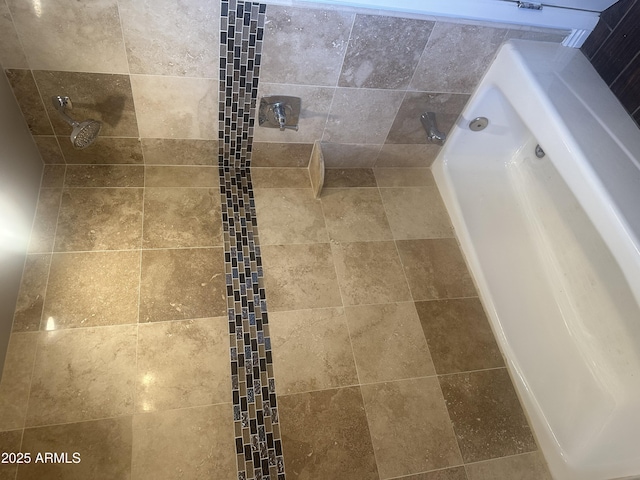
(255, 407)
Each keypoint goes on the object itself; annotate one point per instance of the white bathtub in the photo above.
(553, 246)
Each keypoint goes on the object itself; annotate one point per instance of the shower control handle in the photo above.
(279, 111)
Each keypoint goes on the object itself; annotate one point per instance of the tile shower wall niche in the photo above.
(255, 409)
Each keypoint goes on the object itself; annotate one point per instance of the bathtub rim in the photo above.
(548, 444)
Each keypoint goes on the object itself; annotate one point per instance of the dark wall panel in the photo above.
(627, 87)
(614, 50)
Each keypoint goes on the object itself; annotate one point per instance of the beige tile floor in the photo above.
(384, 361)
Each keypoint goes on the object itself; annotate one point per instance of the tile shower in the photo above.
(384, 364)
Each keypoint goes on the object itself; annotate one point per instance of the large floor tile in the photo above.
(280, 154)
(407, 155)
(183, 364)
(51, 155)
(26, 93)
(325, 435)
(486, 415)
(9, 443)
(459, 336)
(91, 289)
(456, 57)
(105, 150)
(416, 212)
(403, 177)
(280, 178)
(324, 45)
(102, 449)
(362, 115)
(300, 276)
(349, 177)
(103, 97)
(370, 272)
(528, 466)
(189, 114)
(455, 473)
(181, 176)
(435, 269)
(182, 217)
(312, 350)
(387, 342)
(401, 39)
(99, 219)
(407, 130)
(53, 175)
(83, 374)
(194, 443)
(28, 312)
(92, 176)
(355, 214)
(46, 218)
(347, 156)
(150, 36)
(180, 151)
(16, 379)
(179, 284)
(312, 119)
(410, 428)
(289, 215)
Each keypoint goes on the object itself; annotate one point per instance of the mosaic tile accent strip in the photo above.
(242, 30)
(255, 406)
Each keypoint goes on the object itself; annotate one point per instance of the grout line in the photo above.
(406, 279)
(132, 414)
(612, 30)
(51, 253)
(452, 428)
(623, 70)
(335, 387)
(33, 369)
(22, 49)
(371, 439)
(335, 86)
(46, 112)
(503, 367)
(129, 79)
(140, 255)
(422, 54)
(504, 456)
(411, 476)
(344, 55)
(81, 328)
(205, 247)
(188, 77)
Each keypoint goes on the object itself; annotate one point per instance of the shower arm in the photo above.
(61, 103)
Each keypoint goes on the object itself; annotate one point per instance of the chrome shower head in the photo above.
(84, 133)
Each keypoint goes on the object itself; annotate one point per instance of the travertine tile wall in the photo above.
(365, 79)
(149, 71)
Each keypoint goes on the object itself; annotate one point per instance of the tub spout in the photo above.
(434, 135)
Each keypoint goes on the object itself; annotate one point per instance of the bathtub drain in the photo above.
(478, 123)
